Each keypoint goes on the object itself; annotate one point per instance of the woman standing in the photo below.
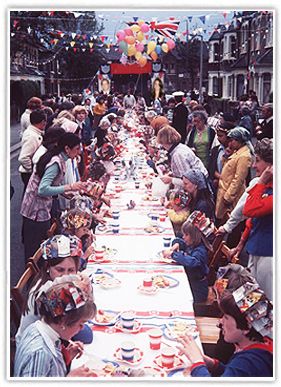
(201, 136)
(45, 183)
(234, 172)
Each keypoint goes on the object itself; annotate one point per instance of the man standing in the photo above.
(129, 101)
(31, 140)
(265, 129)
(180, 115)
(33, 103)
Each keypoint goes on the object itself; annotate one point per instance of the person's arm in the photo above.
(196, 259)
(47, 189)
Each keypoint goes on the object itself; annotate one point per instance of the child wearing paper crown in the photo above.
(178, 210)
(44, 349)
(246, 322)
(191, 252)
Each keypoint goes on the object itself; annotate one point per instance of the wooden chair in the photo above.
(52, 229)
(34, 260)
(221, 255)
(18, 292)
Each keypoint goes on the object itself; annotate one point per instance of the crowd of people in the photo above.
(221, 166)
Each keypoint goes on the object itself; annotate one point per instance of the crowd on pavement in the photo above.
(203, 164)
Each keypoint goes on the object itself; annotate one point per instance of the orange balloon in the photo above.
(130, 39)
(142, 61)
(154, 55)
(165, 47)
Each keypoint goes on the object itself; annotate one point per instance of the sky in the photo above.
(116, 20)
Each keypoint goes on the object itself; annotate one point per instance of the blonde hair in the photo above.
(78, 109)
(168, 135)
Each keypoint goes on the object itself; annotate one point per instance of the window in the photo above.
(233, 46)
(216, 52)
(240, 85)
(215, 86)
(266, 86)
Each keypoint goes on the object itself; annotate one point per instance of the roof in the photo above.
(266, 58)
(241, 62)
(19, 70)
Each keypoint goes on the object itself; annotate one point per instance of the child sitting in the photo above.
(190, 252)
(178, 211)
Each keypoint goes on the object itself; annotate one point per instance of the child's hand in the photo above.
(167, 253)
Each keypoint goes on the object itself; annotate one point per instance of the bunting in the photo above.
(166, 28)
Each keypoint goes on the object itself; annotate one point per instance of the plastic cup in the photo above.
(168, 357)
(128, 320)
(128, 350)
(155, 336)
(118, 188)
(99, 253)
(116, 215)
(162, 216)
(137, 184)
(147, 282)
(167, 241)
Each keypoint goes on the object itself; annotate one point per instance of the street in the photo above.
(16, 247)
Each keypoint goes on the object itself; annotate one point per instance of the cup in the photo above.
(128, 320)
(99, 253)
(137, 184)
(118, 188)
(128, 350)
(147, 282)
(115, 214)
(162, 216)
(168, 356)
(167, 241)
(154, 218)
(155, 336)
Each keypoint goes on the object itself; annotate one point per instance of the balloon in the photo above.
(129, 32)
(140, 36)
(144, 27)
(130, 39)
(138, 55)
(140, 47)
(171, 44)
(165, 47)
(151, 46)
(142, 61)
(131, 50)
(158, 49)
(135, 28)
(120, 35)
(140, 22)
(123, 47)
(153, 55)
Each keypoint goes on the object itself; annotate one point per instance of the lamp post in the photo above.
(200, 67)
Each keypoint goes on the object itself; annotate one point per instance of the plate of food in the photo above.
(106, 317)
(178, 363)
(138, 356)
(100, 276)
(110, 283)
(148, 290)
(150, 198)
(135, 329)
(180, 328)
(154, 229)
(164, 281)
(115, 369)
(161, 257)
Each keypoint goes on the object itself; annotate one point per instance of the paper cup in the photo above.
(128, 320)
(162, 216)
(115, 228)
(167, 241)
(168, 357)
(99, 253)
(147, 282)
(118, 188)
(116, 214)
(128, 350)
(155, 336)
(137, 184)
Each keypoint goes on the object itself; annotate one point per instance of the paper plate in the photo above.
(154, 229)
(178, 329)
(135, 329)
(154, 372)
(161, 258)
(164, 281)
(136, 360)
(178, 363)
(150, 291)
(107, 317)
(99, 276)
(110, 283)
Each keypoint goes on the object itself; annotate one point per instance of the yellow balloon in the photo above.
(154, 55)
(135, 28)
(140, 22)
(165, 47)
(131, 50)
(142, 61)
(140, 36)
(138, 55)
(151, 47)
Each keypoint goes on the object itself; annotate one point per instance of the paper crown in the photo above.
(76, 218)
(180, 198)
(61, 246)
(61, 299)
(249, 298)
(204, 224)
(82, 202)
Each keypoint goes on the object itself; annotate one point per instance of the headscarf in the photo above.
(196, 177)
(242, 135)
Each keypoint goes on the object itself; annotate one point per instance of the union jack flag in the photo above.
(166, 28)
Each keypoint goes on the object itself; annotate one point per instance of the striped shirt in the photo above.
(38, 353)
